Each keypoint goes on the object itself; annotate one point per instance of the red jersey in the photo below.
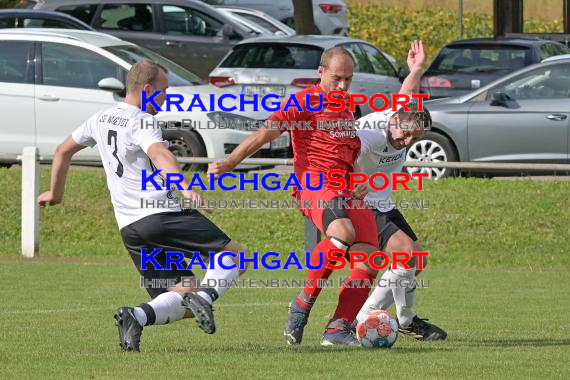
(327, 140)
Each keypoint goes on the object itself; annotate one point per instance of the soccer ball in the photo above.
(379, 329)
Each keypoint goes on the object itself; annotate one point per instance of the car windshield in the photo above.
(481, 58)
(177, 76)
(274, 56)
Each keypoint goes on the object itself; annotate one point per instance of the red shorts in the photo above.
(362, 219)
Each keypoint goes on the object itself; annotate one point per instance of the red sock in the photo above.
(353, 296)
(310, 293)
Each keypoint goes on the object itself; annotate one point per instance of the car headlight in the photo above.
(226, 120)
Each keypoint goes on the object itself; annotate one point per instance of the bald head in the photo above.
(335, 53)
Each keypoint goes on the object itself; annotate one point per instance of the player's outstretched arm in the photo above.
(248, 147)
(164, 160)
(59, 167)
(416, 60)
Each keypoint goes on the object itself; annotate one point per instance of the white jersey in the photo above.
(378, 155)
(123, 145)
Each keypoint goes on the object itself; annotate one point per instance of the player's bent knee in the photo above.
(343, 230)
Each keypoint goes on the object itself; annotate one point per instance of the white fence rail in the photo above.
(31, 159)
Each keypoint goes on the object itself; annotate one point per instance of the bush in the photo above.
(392, 28)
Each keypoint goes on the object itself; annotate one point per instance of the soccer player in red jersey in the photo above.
(316, 151)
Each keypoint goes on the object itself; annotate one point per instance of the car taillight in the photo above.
(436, 82)
(304, 82)
(330, 8)
(221, 81)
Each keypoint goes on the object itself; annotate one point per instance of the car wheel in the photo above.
(432, 148)
(186, 144)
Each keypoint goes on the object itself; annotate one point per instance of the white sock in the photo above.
(164, 309)
(404, 301)
(216, 275)
(380, 298)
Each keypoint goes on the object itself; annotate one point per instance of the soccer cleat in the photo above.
(342, 336)
(298, 318)
(421, 330)
(202, 311)
(129, 329)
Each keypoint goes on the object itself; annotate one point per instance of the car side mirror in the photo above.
(500, 99)
(402, 73)
(111, 84)
(227, 31)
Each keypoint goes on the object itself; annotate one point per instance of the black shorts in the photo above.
(388, 223)
(186, 231)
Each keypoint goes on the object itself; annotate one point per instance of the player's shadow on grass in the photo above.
(519, 343)
(303, 349)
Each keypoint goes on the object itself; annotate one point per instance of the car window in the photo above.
(258, 20)
(188, 21)
(83, 12)
(274, 56)
(43, 23)
(379, 63)
(549, 50)
(177, 76)
(552, 81)
(133, 17)
(7, 22)
(481, 58)
(71, 66)
(14, 61)
(361, 62)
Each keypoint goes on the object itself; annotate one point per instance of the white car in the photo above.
(51, 81)
(331, 16)
(286, 65)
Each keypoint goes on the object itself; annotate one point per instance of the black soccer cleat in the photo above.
(129, 329)
(420, 329)
(202, 311)
(342, 336)
(296, 322)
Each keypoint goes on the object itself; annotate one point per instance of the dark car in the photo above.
(23, 18)
(465, 65)
(191, 33)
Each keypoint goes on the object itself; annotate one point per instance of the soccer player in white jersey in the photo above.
(127, 147)
(383, 149)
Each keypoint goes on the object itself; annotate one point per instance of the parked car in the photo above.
(331, 16)
(466, 65)
(51, 81)
(189, 32)
(252, 26)
(520, 118)
(285, 65)
(23, 18)
(262, 19)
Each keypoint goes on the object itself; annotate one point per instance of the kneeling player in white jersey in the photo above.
(383, 149)
(129, 142)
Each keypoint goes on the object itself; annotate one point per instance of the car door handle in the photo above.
(556, 116)
(48, 98)
(173, 43)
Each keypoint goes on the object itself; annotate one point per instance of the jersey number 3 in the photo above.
(112, 141)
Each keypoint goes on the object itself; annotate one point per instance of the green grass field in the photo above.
(498, 284)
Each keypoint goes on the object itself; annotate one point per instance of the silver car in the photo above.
(520, 118)
(331, 16)
(286, 65)
(261, 18)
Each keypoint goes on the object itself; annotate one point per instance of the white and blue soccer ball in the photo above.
(378, 330)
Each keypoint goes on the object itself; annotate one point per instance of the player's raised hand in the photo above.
(219, 167)
(48, 199)
(416, 55)
(197, 200)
